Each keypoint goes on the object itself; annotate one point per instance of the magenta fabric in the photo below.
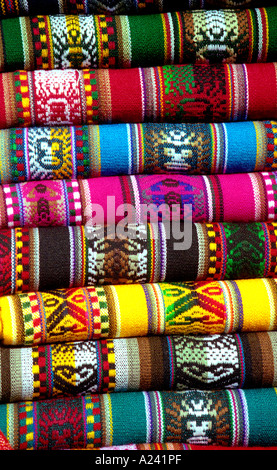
(103, 200)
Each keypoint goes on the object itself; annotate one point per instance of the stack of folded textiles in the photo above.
(115, 115)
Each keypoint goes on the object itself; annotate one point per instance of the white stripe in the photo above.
(36, 258)
(25, 44)
(163, 252)
(260, 34)
(160, 428)
(27, 374)
(26, 151)
(121, 361)
(142, 96)
(148, 417)
(130, 167)
(246, 83)
(257, 200)
(72, 257)
(172, 37)
(137, 198)
(73, 150)
(210, 199)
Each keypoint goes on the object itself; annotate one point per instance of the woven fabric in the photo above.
(121, 41)
(224, 417)
(61, 257)
(170, 93)
(178, 362)
(108, 312)
(140, 199)
(175, 447)
(14, 8)
(71, 152)
(4, 443)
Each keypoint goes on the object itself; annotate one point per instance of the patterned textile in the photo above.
(140, 199)
(14, 8)
(223, 417)
(99, 41)
(175, 447)
(4, 444)
(107, 312)
(170, 93)
(47, 258)
(178, 362)
(38, 153)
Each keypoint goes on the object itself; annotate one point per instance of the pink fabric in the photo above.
(77, 202)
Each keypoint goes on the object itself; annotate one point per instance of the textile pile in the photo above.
(138, 225)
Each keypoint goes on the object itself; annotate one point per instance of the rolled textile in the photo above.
(223, 417)
(4, 443)
(14, 8)
(108, 312)
(74, 152)
(170, 93)
(177, 362)
(48, 258)
(123, 41)
(130, 199)
(176, 447)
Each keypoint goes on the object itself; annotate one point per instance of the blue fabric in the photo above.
(241, 147)
(114, 150)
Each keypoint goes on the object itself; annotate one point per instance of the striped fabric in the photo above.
(224, 417)
(176, 447)
(14, 8)
(80, 152)
(178, 362)
(138, 225)
(99, 41)
(47, 258)
(140, 199)
(107, 312)
(170, 93)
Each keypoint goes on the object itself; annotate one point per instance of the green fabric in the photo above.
(13, 51)
(272, 31)
(135, 420)
(147, 39)
(262, 419)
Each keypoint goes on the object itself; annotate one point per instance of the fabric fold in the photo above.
(138, 199)
(48, 258)
(224, 417)
(177, 362)
(109, 312)
(170, 93)
(80, 152)
(122, 41)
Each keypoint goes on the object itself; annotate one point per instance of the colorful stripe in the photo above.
(140, 199)
(48, 258)
(185, 93)
(178, 362)
(107, 41)
(204, 307)
(132, 413)
(81, 152)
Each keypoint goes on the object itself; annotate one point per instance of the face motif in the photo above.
(200, 417)
(49, 153)
(215, 37)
